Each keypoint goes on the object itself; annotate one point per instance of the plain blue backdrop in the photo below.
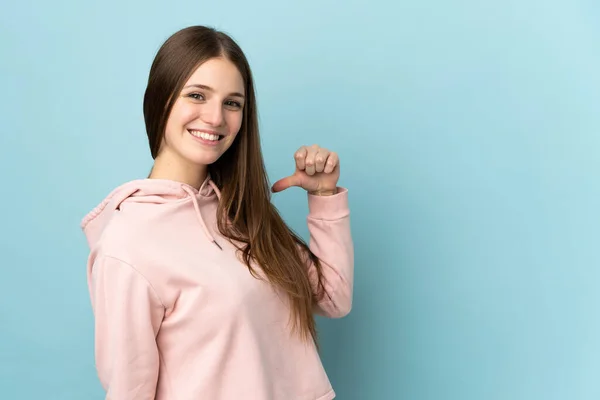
(468, 132)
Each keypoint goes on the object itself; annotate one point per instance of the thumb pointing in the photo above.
(285, 183)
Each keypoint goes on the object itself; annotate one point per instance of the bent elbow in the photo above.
(344, 309)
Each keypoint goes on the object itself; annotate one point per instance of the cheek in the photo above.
(181, 115)
(187, 115)
(234, 122)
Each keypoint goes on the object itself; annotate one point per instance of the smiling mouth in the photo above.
(213, 137)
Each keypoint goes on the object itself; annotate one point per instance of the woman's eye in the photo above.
(231, 103)
(196, 96)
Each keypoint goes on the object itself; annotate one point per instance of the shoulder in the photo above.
(126, 236)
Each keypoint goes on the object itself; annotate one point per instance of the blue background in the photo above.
(468, 134)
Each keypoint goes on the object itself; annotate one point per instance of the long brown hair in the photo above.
(245, 212)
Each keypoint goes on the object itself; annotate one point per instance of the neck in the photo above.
(190, 174)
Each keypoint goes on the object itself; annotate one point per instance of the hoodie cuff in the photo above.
(330, 207)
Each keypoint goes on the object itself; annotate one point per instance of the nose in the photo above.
(212, 114)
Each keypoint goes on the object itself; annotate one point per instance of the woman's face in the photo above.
(206, 116)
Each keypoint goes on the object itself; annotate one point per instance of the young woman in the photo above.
(198, 287)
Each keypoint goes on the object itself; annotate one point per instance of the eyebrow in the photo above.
(199, 86)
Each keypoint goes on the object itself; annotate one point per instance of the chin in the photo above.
(204, 159)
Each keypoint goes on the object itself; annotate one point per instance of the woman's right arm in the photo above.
(128, 314)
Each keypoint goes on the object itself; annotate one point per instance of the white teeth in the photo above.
(204, 135)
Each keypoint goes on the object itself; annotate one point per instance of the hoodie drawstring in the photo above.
(197, 208)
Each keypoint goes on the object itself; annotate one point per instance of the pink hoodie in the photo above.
(179, 317)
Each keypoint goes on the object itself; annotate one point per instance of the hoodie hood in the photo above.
(157, 191)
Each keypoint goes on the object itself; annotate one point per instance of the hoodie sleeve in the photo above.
(331, 241)
(128, 314)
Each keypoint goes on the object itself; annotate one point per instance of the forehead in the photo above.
(218, 73)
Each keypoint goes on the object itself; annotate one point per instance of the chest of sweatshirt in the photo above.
(201, 286)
